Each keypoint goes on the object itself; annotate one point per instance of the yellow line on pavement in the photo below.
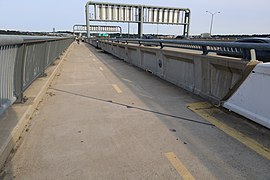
(178, 165)
(201, 108)
(117, 89)
(101, 68)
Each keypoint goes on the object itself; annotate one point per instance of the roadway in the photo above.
(105, 119)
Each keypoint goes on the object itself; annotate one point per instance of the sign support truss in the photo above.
(97, 28)
(110, 12)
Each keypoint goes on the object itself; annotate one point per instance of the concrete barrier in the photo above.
(210, 76)
(252, 98)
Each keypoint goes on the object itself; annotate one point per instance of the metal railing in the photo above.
(245, 51)
(22, 60)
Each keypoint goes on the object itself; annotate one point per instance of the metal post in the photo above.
(140, 24)
(44, 59)
(253, 54)
(73, 30)
(19, 73)
(128, 29)
(212, 20)
(120, 31)
(87, 20)
(211, 25)
(187, 23)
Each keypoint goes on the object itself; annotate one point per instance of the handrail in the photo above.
(199, 43)
(22, 39)
(10, 40)
(238, 48)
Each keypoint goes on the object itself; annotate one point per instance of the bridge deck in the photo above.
(105, 119)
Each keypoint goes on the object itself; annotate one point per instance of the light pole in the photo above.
(212, 19)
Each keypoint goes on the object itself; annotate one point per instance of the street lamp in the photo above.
(212, 19)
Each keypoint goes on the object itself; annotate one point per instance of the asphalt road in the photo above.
(105, 119)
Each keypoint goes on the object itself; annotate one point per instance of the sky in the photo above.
(236, 17)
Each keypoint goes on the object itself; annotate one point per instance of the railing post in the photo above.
(253, 54)
(245, 54)
(44, 60)
(204, 49)
(161, 45)
(19, 73)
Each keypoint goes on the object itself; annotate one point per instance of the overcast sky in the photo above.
(236, 17)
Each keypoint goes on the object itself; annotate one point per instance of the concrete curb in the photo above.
(23, 121)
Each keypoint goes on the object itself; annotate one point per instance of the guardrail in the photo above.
(22, 60)
(246, 51)
(212, 77)
(225, 81)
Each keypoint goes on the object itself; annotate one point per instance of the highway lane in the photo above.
(108, 119)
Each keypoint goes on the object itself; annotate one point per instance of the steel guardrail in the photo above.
(22, 60)
(244, 50)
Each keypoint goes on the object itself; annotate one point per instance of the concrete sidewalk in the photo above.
(104, 119)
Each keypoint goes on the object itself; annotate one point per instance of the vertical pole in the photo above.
(253, 55)
(87, 20)
(212, 20)
(140, 24)
(128, 29)
(186, 24)
(211, 26)
(44, 59)
(18, 73)
(120, 31)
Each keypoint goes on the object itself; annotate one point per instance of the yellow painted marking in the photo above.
(178, 165)
(117, 89)
(199, 107)
(101, 68)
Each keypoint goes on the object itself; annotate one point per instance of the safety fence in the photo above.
(22, 60)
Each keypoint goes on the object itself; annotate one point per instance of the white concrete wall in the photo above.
(252, 99)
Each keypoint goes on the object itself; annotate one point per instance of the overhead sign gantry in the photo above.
(77, 28)
(110, 12)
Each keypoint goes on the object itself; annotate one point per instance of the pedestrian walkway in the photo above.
(105, 119)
